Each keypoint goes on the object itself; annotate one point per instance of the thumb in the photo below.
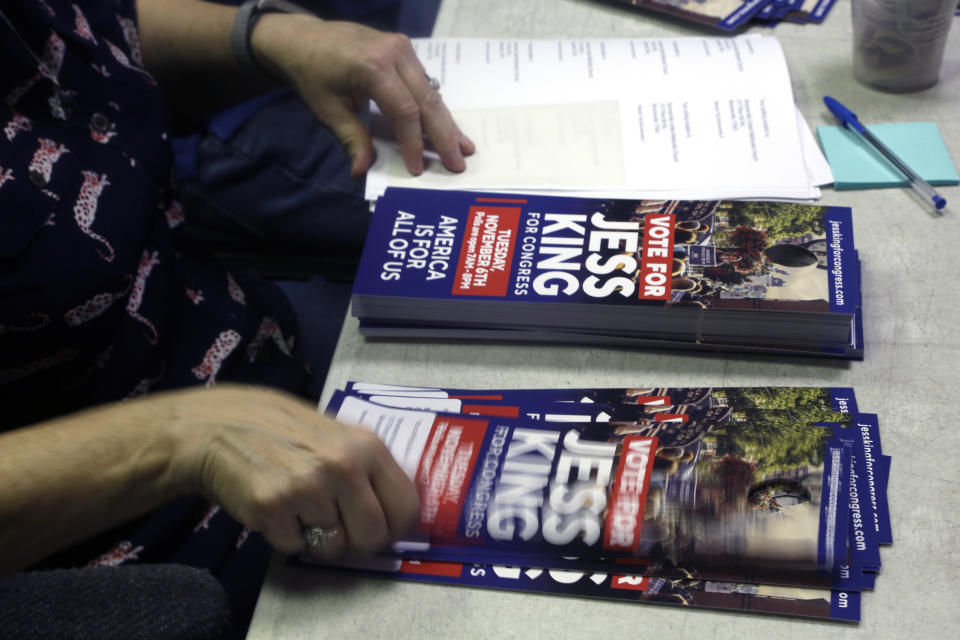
(351, 132)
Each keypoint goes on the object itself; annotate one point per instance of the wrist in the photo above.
(262, 36)
(267, 41)
(182, 435)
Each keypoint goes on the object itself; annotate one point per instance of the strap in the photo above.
(246, 19)
(243, 23)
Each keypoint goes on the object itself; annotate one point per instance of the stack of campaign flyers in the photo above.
(754, 499)
(753, 276)
(730, 15)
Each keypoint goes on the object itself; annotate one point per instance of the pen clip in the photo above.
(846, 117)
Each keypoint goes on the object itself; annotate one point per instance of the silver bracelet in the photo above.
(246, 19)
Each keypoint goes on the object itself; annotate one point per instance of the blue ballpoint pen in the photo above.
(849, 120)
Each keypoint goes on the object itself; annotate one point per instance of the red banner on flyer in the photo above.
(656, 260)
(633, 583)
(487, 251)
(629, 494)
(446, 467)
(652, 401)
(499, 410)
(671, 417)
(431, 568)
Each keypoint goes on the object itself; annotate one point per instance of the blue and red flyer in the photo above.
(525, 493)
(731, 15)
(587, 490)
(761, 275)
(722, 14)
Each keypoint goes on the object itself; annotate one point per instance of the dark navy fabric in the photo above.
(279, 180)
(265, 177)
(101, 298)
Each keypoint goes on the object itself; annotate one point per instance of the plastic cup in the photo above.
(898, 44)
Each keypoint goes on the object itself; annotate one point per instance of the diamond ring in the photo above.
(317, 537)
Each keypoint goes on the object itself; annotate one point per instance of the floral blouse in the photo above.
(101, 298)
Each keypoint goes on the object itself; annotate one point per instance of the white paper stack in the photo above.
(674, 118)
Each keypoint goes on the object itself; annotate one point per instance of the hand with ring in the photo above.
(280, 467)
(337, 66)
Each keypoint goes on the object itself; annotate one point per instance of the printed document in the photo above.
(691, 118)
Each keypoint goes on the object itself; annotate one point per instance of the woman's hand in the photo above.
(271, 460)
(337, 66)
(277, 465)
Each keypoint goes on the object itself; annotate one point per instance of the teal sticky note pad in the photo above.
(856, 165)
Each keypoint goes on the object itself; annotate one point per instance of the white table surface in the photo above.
(911, 319)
